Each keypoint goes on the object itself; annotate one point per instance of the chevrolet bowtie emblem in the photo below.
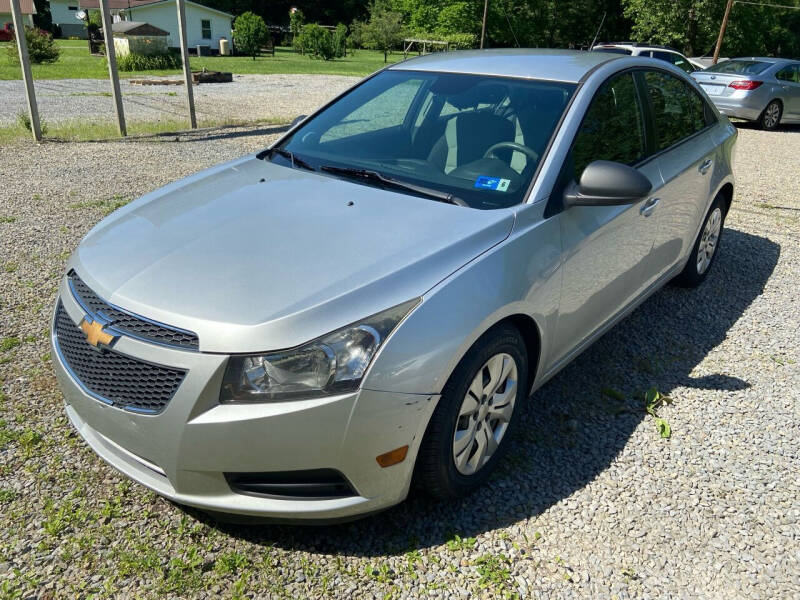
(95, 334)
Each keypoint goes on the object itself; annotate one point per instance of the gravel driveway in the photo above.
(591, 502)
(248, 98)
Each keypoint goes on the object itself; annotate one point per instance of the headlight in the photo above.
(333, 364)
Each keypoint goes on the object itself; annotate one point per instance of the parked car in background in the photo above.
(764, 90)
(303, 332)
(665, 53)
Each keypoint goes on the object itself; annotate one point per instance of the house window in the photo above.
(205, 24)
(75, 8)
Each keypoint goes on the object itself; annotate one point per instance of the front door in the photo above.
(789, 79)
(605, 248)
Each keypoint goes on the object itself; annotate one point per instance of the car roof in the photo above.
(554, 65)
(637, 45)
(766, 59)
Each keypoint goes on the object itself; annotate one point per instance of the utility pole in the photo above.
(111, 56)
(187, 69)
(25, 64)
(483, 27)
(722, 31)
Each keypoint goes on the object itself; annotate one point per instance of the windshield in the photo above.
(475, 137)
(739, 67)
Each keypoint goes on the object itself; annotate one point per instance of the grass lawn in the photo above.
(76, 63)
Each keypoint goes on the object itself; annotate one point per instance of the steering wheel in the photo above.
(490, 153)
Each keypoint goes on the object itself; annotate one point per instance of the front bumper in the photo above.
(184, 452)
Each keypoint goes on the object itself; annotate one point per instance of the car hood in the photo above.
(255, 256)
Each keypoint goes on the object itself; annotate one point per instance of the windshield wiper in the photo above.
(402, 185)
(296, 161)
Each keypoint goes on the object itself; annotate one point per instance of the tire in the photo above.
(706, 247)
(461, 414)
(770, 117)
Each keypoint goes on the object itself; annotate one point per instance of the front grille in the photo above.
(313, 484)
(128, 323)
(112, 377)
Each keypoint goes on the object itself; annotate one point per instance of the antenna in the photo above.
(603, 20)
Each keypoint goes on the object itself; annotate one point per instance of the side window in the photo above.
(613, 128)
(682, 63)
(205, 25)
(678, 110)
(667, 56)
(788, 73)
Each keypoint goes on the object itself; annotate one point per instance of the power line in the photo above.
(770, 5)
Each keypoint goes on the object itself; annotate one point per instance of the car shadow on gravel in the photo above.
(783, 127)
(576, 424)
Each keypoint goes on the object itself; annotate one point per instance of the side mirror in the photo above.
(297, 120)
(606, 183)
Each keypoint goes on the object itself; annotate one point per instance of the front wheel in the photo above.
(771, 116)
(705, 247)
(469, 430)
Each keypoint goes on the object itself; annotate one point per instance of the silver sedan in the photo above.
(764, 90)
(304, 333)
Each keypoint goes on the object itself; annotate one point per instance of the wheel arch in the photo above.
(726, 191)
(532, 337)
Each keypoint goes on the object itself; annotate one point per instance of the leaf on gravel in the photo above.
(614, 394)
(664, 429)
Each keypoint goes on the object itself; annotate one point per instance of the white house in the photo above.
(26, 7)
(204, 26)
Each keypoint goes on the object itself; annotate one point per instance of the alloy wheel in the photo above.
(771, 115)
(485, 413)
(708, 241)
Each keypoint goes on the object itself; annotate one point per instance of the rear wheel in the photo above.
(705, 247)
(469, 430)
(771, 116)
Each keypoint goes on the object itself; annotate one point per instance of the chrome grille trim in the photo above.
(127, 323)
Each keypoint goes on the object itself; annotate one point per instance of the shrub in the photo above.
(152, 62)
(317, 41)
(340, 41)
(41, 47)
(249, 34)
(356, 38)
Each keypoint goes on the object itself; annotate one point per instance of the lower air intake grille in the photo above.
(314, 484)
(112, 377)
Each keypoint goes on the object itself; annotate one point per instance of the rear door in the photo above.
(605, 248)
(685, 151)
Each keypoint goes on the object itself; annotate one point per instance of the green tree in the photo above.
(249, 34)
(684, 24)
(693, 25)
(384, 30)
(296, 21)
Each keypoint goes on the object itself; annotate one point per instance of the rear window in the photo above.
(739, 67)
(611, 50)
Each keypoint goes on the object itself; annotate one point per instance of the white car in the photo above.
(666, 53)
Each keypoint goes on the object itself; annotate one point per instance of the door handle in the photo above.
(705, 166)
(649, 206)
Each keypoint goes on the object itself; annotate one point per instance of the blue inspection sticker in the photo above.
(484, 182)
